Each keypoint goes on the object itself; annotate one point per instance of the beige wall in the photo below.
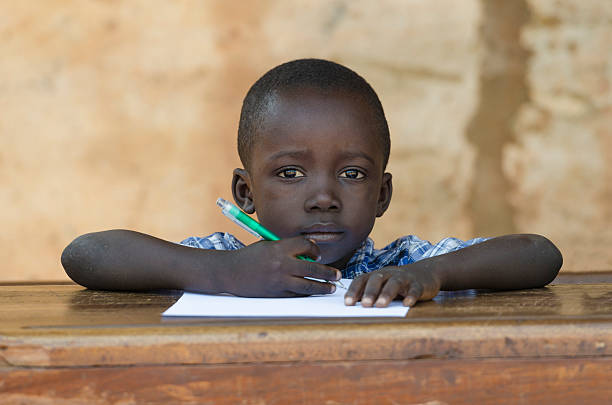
(123, 114)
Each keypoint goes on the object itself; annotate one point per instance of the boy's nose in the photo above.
(322, 200)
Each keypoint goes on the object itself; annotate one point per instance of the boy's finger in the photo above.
(372, 288)
(316, 270)
(304, 286)
(414, 293)
(355, 290)
(388, 293)
(300, 246)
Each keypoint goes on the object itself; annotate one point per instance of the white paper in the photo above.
(330, 305)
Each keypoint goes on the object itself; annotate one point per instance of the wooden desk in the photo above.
(64, 344)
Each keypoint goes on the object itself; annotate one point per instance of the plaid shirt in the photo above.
(406, 250)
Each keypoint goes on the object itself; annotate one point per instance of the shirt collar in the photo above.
(363, 254)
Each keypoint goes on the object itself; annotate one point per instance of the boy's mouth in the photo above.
(323, 233)
(324, 237)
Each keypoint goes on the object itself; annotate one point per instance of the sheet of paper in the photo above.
(331, 305)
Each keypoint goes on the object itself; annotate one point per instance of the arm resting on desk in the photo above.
(507, 262)
(132, 261)
(128, 260)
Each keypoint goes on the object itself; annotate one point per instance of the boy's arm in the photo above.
(503, 263)
(128, 260)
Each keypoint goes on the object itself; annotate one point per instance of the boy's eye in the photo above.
(290, 173)
(352, 174)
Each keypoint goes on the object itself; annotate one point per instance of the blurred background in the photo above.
(123, 114)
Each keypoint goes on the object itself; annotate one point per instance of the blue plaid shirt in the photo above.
(406, 250)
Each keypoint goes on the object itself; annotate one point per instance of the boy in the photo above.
(314, 142)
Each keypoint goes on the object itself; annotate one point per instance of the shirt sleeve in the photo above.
(215, 241)
(446, 245)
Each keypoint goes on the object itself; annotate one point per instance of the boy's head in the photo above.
(314, 141)
(329, 77)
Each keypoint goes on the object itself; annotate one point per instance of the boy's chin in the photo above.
(337, 260)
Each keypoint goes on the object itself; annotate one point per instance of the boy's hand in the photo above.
(380, 287)
(271, 269)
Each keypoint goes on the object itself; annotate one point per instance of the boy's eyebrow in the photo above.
(290, 153)
(298, 153)
(357, 154)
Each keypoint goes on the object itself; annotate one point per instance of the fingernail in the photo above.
(333, 289)
(348, 301)
(381, 302)
(338, 275)
(366, 302)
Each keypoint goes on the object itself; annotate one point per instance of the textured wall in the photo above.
(123, 114)
(560, 165)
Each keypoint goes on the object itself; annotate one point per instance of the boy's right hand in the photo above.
(272, 269)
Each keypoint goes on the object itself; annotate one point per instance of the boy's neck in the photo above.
(341, 264)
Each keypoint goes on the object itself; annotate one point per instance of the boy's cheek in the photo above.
(280, 228)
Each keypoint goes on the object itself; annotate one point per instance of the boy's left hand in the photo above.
(380, 287)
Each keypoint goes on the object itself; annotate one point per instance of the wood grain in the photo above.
(551, 381)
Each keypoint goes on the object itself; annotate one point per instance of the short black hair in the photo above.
(300, 74)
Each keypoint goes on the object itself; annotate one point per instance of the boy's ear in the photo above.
(384, 197)
(241, 190)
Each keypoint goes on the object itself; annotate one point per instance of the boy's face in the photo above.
(316, 170)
